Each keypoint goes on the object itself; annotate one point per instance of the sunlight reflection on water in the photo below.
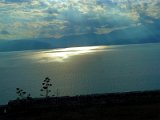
(61, 55)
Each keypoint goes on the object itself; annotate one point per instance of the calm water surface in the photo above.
(82, 70)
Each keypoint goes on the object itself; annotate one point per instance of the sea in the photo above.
(80, 70)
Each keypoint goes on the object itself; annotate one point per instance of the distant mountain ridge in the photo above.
(134, 35)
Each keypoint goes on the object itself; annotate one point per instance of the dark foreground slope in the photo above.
(122, 106)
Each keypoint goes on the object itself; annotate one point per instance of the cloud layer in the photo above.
(33, 19)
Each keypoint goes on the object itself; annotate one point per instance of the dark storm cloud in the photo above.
(4, 32)
(18, 1)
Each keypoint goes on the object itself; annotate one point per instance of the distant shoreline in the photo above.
(63, 47)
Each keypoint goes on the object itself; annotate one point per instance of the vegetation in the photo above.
(46, 84)
(22, 94)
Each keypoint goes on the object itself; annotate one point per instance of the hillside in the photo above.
(116, 106)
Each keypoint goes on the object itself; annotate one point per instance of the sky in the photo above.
(33, 19)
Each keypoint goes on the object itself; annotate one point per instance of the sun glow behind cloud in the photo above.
(29, 19)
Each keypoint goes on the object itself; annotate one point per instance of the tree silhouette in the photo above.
(45, 87)
(22, 94)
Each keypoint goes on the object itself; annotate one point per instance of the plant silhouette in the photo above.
(45, 87)
(22, 94)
